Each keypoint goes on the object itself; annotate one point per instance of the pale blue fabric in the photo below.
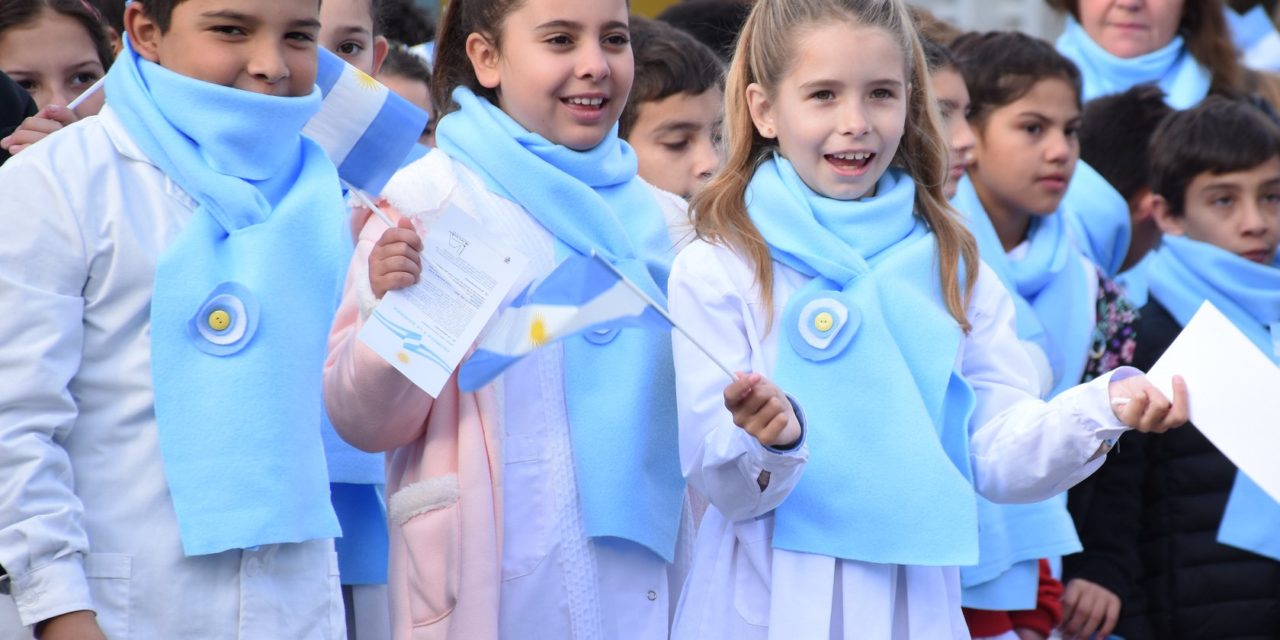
(620, 387)
(1098, 217)
(1250, 28)
(1172, 68)
(886, 415)
(238, 412)
(1050, 287)
(1184, 273)
(1050, 291)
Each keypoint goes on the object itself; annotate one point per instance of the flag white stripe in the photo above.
(511, 335)
(348, 110)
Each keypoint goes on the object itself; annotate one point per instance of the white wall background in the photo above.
(1031, 16)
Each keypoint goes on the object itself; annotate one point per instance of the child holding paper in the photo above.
(163, 467)
(549, 503)
(1181, 542)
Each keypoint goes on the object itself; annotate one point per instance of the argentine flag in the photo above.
(366, 129)
(1255, 36)
(584, 293)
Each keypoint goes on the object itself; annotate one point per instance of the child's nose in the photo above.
(592, 63)
(268, 64)
(707, 160)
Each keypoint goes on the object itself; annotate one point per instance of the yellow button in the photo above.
(824, 321)
(219, 320)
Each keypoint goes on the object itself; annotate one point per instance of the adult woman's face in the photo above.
(1131, 28)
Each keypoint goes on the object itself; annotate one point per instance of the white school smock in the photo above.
(556, 582)
(86, 520)
(739, 587)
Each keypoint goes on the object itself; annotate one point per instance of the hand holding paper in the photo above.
(1139, 404)
(396, 259)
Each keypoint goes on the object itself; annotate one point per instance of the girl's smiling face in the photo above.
(54, 59)
(840, 111)
(562, 68)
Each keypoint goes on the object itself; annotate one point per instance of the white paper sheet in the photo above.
(1234, 393)
(425, 330)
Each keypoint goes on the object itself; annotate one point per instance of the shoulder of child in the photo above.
(715, 266)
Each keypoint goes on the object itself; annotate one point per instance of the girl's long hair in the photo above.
(763, 56)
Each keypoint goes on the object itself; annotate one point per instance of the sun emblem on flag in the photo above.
(538, 331)
(366, 80)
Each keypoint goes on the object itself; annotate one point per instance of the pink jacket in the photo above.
(444, 475)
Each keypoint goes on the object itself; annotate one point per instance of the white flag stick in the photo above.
(87, 93)
(663, 312)
(368, 202)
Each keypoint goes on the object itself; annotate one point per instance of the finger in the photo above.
(1096, 611)
(1111, 618)
(399, 264)
(59, 113)
(1132, 412)
(1181, 412)
(27, 136)
(761, 396)
(758, 421)
(1157, 409)
(735, 392)
(772, 429)
(1070, 599)
(411, 233)
(40, 125)
(16, 149)
(1075, 622)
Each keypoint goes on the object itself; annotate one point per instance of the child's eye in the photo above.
(882, 94)
(84, 77)
(227, 30)
(350, 48)
(1223, 201)
(1271, 198)
(617, 40)
(28, 85)
(560, 40)
(823, 95)
(1071, 132)
(1034, 129)
(676, 147)
(301, 36)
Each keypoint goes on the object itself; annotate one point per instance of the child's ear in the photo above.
(761, 111)
(1169, 223)
(380, 48)
(144, 33)
(1144, 206)
(484, 60)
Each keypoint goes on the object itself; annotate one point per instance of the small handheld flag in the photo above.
(582, 294)
(366, 129)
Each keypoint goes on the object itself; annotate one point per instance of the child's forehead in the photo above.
(252, 9)
(1266, 173)
(341, 13)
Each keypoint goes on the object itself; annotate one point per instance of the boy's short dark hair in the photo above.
(715, 23)
(937, 56)
(161, 12)
(1116, 133)
(405, 21)
(668, 62)
(400, 62)
(1000, 67)
(1220, 135)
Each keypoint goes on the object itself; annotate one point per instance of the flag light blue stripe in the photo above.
(329, 70)
(385, 144)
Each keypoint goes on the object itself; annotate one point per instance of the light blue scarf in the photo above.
(1099, 217)
(1049, 286)
(868, 349)
(1183, 274)
(1049, 290)
(1184, 80)
(241, 305)
(620, 386)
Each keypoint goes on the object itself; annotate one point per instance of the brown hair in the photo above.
(452, 68)
(1204, 28)
(1000, 67)
(16, 13)
(763, 57)
(668, 62)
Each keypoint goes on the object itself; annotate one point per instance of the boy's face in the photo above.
(675, 140)
(1238, 212)
(263, 47)
(346, 28)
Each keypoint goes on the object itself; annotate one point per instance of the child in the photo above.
(16, 105)
(349, 28)
(548, 503)
(714, 23)
(1165, 550)
(672, 118)
(163, 468)
(1026, 113)
(953, 106)
(408, 75)
(832, 193)
(55, 49)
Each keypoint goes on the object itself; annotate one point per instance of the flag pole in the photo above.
(663, 312)
(366, 201)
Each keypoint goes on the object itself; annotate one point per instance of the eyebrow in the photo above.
(236, 16)
(354, 29)
(677, 127)
(570, 25)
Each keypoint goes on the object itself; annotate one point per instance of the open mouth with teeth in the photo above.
(850, 162)
(588, 104)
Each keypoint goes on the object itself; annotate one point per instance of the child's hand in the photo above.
(761, 409)
(38, 127)
(395, 262)
(1138, 404)
(77, 625)
(1088, 610)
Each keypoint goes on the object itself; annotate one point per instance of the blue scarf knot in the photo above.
(1183, 79)
(870, 354)
(237, 345)
(619, 384)
(1184, 274)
